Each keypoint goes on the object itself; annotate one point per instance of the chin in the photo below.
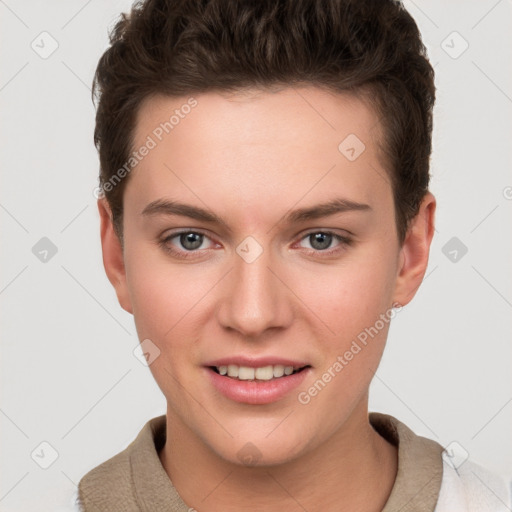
(261, 451)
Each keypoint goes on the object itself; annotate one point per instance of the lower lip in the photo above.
(256, 392)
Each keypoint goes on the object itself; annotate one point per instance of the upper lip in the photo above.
(256, 362)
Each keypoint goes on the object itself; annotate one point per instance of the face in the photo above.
(259, 240)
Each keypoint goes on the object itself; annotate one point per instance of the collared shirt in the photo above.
(135, 480)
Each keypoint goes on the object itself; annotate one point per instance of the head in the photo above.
(221, 127)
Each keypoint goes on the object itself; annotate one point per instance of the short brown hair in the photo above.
(180, 47)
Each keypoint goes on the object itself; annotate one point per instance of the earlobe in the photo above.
(415, 251)
(113, 259)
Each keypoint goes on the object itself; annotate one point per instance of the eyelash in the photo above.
(344, 243)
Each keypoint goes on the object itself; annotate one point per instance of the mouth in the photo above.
(256, 382)
(261, 373)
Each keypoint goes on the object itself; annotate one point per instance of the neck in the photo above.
(354, 469)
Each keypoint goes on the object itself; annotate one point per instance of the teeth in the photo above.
(265, 373)
(278, 370)
(233, 370)
(262, 373)
(246, 373)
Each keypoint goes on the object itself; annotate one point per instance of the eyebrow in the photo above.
(337, 205)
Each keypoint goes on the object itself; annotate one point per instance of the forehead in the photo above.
(258, 115)
(256, 145)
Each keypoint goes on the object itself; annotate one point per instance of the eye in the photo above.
(187, 243)
(321, 241)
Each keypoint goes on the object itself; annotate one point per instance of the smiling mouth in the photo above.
(263, 373)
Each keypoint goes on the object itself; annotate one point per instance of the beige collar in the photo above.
(135, 479)
(420, 466)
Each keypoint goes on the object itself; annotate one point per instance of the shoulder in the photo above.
(469, 487)
(108, 481)
(111, 483)
(455, 483)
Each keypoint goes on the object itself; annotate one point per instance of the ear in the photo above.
(415, 250)
(113, 259)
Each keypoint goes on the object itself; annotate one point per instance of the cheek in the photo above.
(163, 300)
(352, 296)
(159, 294)
(171, 303)
(353, 303)
(350, 352)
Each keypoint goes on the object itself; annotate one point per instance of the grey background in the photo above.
(68, 373)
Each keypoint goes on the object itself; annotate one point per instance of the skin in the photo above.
(251, 158)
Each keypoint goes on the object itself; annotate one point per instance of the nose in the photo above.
(255, 298)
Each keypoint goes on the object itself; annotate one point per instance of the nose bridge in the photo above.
(255, 300)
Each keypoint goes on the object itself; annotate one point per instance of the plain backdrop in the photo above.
(68, 374)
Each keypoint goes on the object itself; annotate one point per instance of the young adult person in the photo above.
(265, 207)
